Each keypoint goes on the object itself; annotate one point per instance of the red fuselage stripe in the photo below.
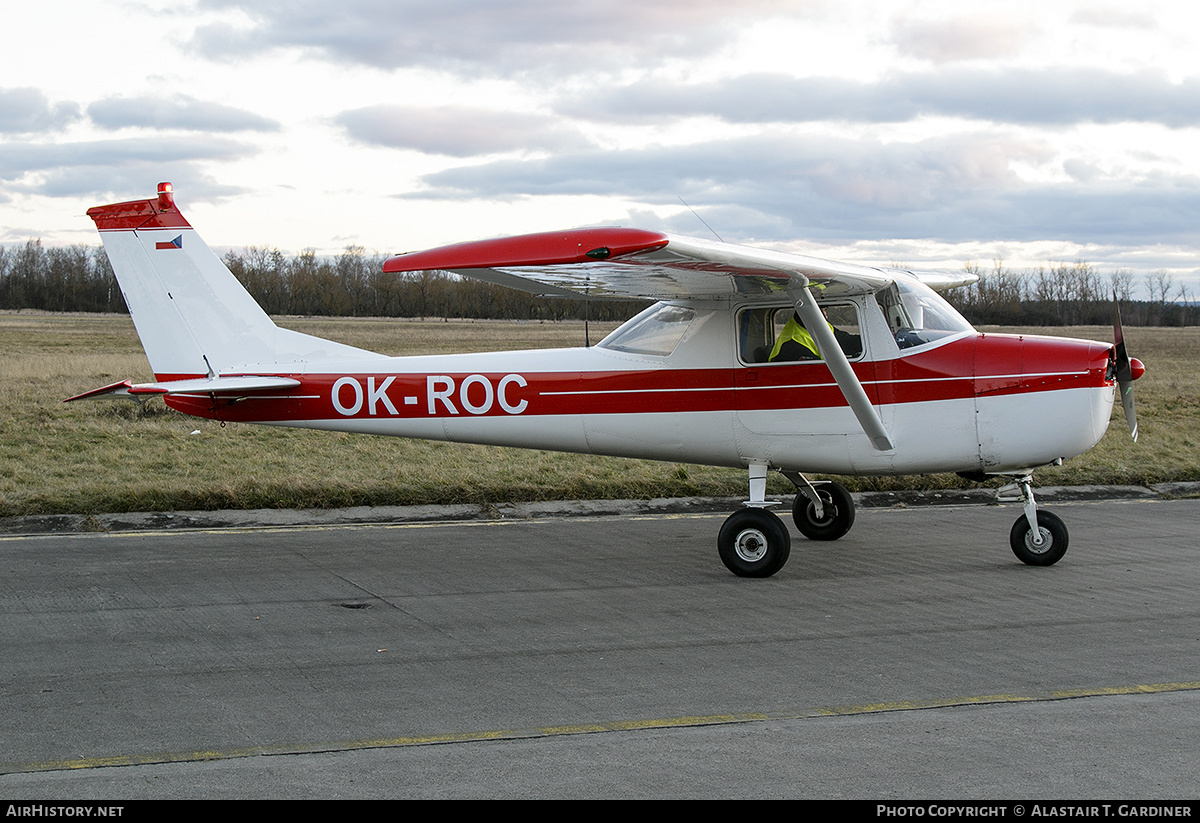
(981, 366)
(417, 396)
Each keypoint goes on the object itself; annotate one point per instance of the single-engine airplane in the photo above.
(753, 359)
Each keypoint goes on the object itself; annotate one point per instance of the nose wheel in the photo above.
(1043, 548)
(1038, 538)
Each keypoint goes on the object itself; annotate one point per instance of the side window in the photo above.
(844, 320)
(777, 335)
(756, 335)
(657, 330)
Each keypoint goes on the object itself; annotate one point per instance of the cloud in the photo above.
(969, 37)
(18, 158)
(1019, 96)
(26, 111)
(458, 132)
(106, 183)
(179, 112)
(769, 173)
(1117, 17)
(473, 36)
(950, 189)
(888, 176)
(108, 167)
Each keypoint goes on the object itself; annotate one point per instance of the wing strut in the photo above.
(839, 366)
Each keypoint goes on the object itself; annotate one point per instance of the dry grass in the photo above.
(117, 456)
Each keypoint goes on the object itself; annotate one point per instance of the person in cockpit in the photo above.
(794, 343)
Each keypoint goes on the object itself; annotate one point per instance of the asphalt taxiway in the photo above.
(605, 656)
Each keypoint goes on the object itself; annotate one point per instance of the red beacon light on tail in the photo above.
(166, 197)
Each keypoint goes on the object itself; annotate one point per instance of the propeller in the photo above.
(1126, 369)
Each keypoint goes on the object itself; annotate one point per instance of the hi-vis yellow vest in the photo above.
(794, 331)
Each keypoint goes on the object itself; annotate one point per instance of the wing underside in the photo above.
(617, 263)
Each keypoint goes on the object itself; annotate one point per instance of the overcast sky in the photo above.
(926, 133)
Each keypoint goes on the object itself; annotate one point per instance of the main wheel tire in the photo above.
(1054, 540)
(836, 519)
(754, 543)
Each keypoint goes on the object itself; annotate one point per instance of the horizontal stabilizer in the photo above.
(224, 386)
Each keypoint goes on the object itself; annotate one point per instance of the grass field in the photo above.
(103, 456)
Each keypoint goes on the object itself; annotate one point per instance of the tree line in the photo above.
(353, 284)
(1072, 294)
(62, 278)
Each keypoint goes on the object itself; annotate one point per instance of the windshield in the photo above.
(917, 314)
(657, 330)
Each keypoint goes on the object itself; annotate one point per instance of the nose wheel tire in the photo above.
(1054, 540)
(835, 520)
(754, 543)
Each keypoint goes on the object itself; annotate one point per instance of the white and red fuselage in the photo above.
(964, 401)
(985, 402)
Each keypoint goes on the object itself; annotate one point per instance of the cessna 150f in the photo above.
(751, 359)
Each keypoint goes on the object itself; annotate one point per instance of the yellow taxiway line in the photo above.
(586, 728)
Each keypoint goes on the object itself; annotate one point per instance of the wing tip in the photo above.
(542, 249)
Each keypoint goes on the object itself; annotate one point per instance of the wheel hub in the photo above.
(1031, 540)
(751, 545)
(830, 512)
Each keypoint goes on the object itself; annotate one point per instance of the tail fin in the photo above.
(192, 315)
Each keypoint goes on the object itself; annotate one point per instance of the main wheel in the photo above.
(754, 543)
(835, 520)
(1054, 540)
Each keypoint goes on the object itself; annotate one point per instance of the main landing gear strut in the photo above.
(754, 542)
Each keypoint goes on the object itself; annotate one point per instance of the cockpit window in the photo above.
(917, 314)
(657, 330)
(777, 335)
